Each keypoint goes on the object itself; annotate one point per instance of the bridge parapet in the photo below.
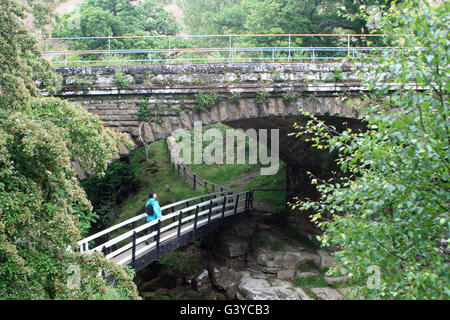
(170, 96)
(90, 80)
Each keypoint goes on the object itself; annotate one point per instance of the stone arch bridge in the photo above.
(250, 95)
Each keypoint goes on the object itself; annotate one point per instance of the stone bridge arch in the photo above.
(250, 95)
(263, 91)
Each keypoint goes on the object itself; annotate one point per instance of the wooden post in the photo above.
(210, 210)
(158, 234)
(246, 202)
(236, 204)
(223, 207)
(104, 250)
(195, 222)
(133, 252)
(107, 239)
(194, 181)
(179, 225)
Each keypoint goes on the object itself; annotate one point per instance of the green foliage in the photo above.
(289, 97)
(234, 97)
(278, 78)
(277, 245)
(298, 236)
(277, 181)
(151, 175)
(263, 240)
(270, 281)
(81, 82)
(175, 263)
(306, 267)
(258, 240)
(17, 51)
(262, 96)
(121, 80)
(143, 111)
(116, 18)
(43, 209)
(205, 100)
(392, 209)
(222, 173)
(279, 17)
(338, 76)
(178, 111)
(112, 188)
(310, 282)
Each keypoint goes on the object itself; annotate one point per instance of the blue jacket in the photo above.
(156, 209)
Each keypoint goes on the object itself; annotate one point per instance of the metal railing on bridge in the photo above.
(208, 48)
(130, 243)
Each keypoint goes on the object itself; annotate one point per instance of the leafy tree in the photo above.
(43, 209)
(116, 18)
(20, 60)
(392, 209)
(279, 17)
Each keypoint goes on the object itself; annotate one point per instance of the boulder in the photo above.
(331, 280)
(234, 249)
(327, 293)
(203, 279)
(302, 294)
(226, 279)
(307, 274)
(286, 274)
(326, 260)
(259, 289)
(275, 261)
(254, 289)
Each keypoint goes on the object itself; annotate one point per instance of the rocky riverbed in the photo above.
(262, 257)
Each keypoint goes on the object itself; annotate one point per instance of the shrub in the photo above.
(143, 111)
(234, 97)
(121, 80)
(262, 96)
(205, 100)
(288, 97)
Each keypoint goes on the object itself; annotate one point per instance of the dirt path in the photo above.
(239, 183)
(243, 181)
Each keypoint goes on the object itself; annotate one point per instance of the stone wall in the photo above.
(115, 93)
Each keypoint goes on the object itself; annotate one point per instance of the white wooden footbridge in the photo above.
(128, 243)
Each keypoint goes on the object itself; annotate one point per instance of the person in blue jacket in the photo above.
(153, 210)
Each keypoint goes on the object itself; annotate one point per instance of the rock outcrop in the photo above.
(255, 260)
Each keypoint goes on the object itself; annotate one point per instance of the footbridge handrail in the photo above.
(142, 244)
(84, 242)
